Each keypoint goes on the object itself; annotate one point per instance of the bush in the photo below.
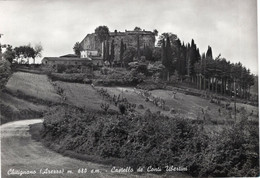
(140, 106)
(5, 73)
(122, 108)
(61, 68)
(104, 106)
(119, 78)
(156, 140)
(75, 77)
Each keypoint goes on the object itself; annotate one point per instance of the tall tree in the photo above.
(9, 54)
(137, 29)
(107, 57)
(167, 57)
(129, 55)
(77, 48)
(122, 49)
(155, 31)
(164, 36)
(5, 73)
(112, 52)
(156, 54)
(102, 33)
(26, 52)
(209, 53)
(138, 47)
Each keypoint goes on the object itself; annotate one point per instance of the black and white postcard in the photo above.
(140, 88)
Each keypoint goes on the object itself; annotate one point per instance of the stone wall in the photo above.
(91, 43)
(147, 38)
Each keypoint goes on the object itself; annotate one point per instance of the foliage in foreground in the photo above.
(5, 73)
(153, 139)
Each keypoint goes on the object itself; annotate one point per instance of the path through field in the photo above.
(21, 153)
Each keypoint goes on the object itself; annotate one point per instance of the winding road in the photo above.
(23, 157)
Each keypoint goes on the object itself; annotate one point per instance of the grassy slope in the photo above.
(190, 106)
(12, 108)
(82, 95)
(133, 98)
(193, 105)
(29, 94)
(19, 104)
(33, 85)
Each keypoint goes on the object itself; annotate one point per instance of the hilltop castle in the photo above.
(93, 48)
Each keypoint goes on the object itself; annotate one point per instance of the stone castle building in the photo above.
(93, 48)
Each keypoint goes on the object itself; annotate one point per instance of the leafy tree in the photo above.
(156, 54)
(5, 73)
(155, 32)
(164, 36)
(77, 48)
(38, 51)
(147, 52)
(26, 52)
(1, 52)
(9, 54)
(137, 29)
(102, 33)
(129, 55)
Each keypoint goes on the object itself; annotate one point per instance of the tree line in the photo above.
(22, 54)
(184, 61)
(208, 73)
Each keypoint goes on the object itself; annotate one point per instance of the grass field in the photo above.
(33, 85)
(187, 105)
(19, 104)
(12, 108)
(82, 95)
(132, 97)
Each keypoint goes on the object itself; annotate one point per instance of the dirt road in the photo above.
(23, 157)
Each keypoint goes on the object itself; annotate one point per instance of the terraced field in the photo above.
(82, 95)
(33, 85)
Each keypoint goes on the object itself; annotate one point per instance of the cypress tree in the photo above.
(168, 55)
(112, 52)
(209, 53)
(107, 51)
(104, 51)
(138, 48)
(122, 49)
(163, 52)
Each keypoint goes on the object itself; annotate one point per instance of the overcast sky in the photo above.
(228, 26)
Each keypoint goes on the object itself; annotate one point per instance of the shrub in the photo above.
(74, 77)
(61, 68)
(140, 106)
(156, 140)
(104, 106)
(5, 73)
(122, 108)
